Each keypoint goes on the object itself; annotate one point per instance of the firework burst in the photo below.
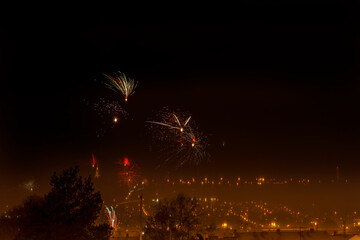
(110, 110)
(191, 147)
(110, 113)
(30, 186)
(129, 173)
(120, 83)
(168, 124)
(178, 137)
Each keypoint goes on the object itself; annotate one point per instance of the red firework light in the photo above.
(129, 172)
(93, 161)
(126, 162)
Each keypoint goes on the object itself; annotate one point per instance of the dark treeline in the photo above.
(68, 211)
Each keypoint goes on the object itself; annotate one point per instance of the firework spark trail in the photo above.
(186, 122)
(181, 127)
(120, 83)
(177, 119)
(132, 190)
(93, 161)
(111, 217)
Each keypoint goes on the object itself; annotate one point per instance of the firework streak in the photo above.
(120, 83)
(111, 217)
(93, 161)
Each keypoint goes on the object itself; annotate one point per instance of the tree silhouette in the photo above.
(9, 226)
(68, 211)
(177, 219)
(161, 224)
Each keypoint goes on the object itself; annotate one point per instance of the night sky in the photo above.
(282, 88)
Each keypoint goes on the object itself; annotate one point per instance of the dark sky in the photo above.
(280, 87)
